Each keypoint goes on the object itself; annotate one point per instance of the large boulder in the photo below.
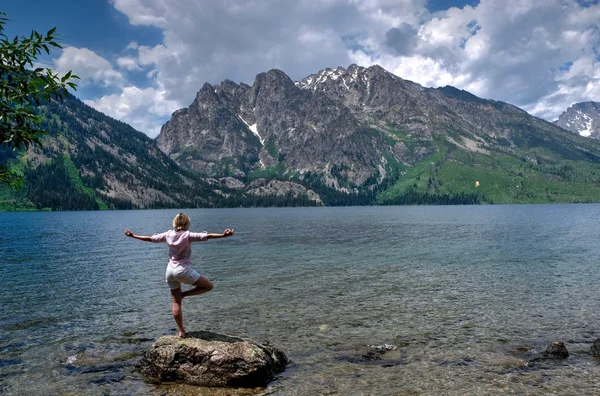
(210, 359)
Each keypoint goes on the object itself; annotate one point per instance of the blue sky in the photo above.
(88, 23)
(93, 24)
(140, 60)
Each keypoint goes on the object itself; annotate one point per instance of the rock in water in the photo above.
(556, 350)
(210, 359)
(596, 348)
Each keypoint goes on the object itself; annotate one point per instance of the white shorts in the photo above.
(180, 274)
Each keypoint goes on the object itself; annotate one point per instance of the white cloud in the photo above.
(580, 83)
(88, 66)
(144, 109)
(132, 46)
(511, 51)
(128, 63)
(539, 55)
(208, 41)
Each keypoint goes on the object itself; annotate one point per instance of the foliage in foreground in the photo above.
(23, 86)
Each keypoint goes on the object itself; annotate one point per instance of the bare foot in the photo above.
(182, 334)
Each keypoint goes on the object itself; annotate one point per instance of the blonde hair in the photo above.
(181, 222)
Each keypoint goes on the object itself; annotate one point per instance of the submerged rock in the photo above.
(556, 350)
(210, 359)
(464, 362)
(385, 355)
(596, 348)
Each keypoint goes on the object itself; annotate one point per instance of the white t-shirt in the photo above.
(180, 245)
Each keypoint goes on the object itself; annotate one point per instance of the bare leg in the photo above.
(203, 285)
(177, 298)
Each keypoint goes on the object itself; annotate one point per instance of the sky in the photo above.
(140, 60)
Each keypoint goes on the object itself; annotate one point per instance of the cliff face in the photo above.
(273, 123)
(208, 137)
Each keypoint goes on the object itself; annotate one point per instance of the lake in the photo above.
(462, 296)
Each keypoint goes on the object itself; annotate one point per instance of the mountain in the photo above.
(343, 136)
(91, 161)
(273, 127)
(367, 136)
(582, 118)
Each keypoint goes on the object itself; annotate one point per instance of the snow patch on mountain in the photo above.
(588, 125)
(316, 81)
(254, 130)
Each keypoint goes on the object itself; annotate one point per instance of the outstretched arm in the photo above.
(227, 233)
(140, 237)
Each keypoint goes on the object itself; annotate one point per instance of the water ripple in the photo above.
(464, 293)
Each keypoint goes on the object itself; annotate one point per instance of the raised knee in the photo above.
(209, 287)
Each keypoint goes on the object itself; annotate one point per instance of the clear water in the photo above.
(465, 293)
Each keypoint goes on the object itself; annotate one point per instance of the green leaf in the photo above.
(65, 77)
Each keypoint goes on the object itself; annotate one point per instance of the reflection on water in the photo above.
(463, 296)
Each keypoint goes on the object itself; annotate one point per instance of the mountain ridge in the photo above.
(359, 129)
(337, 137)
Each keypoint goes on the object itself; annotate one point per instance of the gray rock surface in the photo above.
(213, 360)
(228, 182)
(280, 188)
(208, 137)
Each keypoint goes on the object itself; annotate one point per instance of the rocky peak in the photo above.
(211, 136)
(207, 95)
(315, 81)
(228, 83)
(355, 76)
(348, 129)
(272, 94)
(359, 88)
(227, 87)
(274, 82)
(582, 118)
(231, 94)
(378, 70)
(354, 67)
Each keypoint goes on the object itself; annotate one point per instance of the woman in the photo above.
(179, 269)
